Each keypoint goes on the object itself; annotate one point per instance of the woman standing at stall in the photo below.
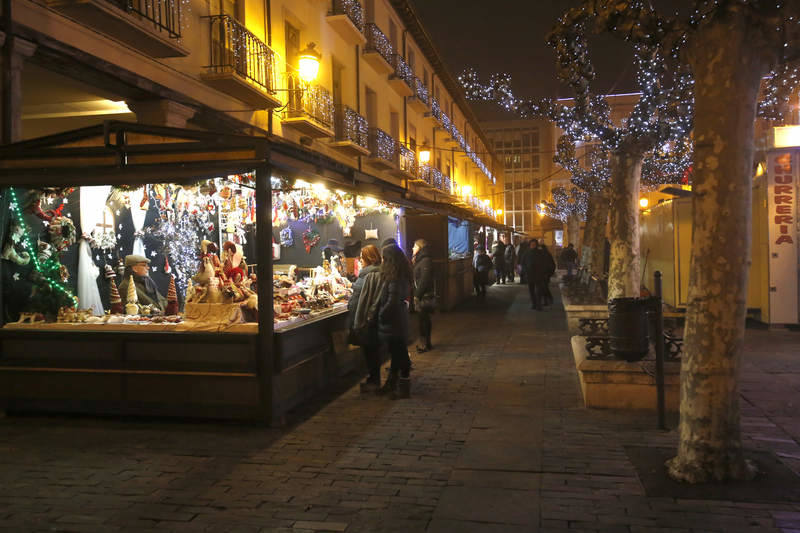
(393, 319)
(362, 307)
(424, 295)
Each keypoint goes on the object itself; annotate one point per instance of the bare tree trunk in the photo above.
(710, 445)
(624, 270)
(594, 235)
(573, 235)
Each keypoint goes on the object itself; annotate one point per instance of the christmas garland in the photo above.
(310, 239)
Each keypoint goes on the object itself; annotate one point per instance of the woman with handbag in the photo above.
(361, 320)
(393, 319)
(424, 295)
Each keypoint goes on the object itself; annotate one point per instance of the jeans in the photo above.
(499, 274)
(570, 268)
(400, 360)
(537, 289)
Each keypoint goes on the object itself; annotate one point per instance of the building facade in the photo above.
(380, 98)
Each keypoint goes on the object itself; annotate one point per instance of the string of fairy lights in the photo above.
(48, 267)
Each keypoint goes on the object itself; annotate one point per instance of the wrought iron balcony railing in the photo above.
(377, 42)
(436, 111)
(381, 145)
(312, 101)
(437, 178)
(402, 70)
(425, 173)
(420, 91)
(350, 126)
(353, 10)
(406, 160)
(164, 14)
(234, 48)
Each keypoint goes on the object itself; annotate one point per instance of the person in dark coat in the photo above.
(393, 319)
(510, 257)
(537, 272)
(147, 293)
(570, 258)
(370, 260)
(481, 263)
(522, 251)
(424, 294)
(499, 260)
(547, 296)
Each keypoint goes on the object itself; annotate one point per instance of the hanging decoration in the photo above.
(62, 233)
(371, 234)
(310, 239)
(287, 239)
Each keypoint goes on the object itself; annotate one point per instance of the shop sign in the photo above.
(782, 193)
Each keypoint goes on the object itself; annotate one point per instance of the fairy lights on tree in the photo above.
(565, 204)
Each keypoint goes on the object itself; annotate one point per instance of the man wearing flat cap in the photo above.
(146, 290)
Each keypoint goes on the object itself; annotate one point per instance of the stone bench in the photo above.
(616, 384)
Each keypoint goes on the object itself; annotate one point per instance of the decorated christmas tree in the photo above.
(132, 299)
(116, 301)
(172, 298)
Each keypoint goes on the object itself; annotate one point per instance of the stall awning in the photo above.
(121, 152)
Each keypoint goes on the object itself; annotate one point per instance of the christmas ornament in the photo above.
(132, 299)
(167, 268)
(287, 240)
(310, 239)
(172, 298)
(116, 301)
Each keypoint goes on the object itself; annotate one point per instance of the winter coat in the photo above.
(549, 261)
(423, 274)
(498, 254)
(509, 255)
(482, 265)
(569, 255)
(352, 304)
(393, 310)
(146, 291)
(538, 265)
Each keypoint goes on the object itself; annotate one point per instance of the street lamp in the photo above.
(309, 60)
(644, 202)
(466, 190)
(424, 154)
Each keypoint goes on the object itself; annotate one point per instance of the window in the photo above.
(517, 143)
(411, 59)
(526, 139)
(393, 36)
(536, 162)
(372, 107)
(526, 162)
(425, 77)
(292, 44)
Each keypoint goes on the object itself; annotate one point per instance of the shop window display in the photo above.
(157, 256)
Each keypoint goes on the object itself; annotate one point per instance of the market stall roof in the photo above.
(129, 153)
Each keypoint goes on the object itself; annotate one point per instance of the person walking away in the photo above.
(498, 258)
(393, 320)
(362, 317)
(522, 250)
(535, 272)
(510, 258)
(570, 258)
(550, 269)
(482, 264)
(424, 294)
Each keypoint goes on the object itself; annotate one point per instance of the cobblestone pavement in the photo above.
(494, 439)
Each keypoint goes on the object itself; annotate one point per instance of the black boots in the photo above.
(391, 382)
(403, 389)
(396, 387)
(427, 347)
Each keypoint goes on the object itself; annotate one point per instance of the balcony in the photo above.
(352, 132)
(152, 27)
(402, 79)
(381, 149)
(242, 65)
(437, 179)
(378, 51)
(347, 19)
(310, 109)
(424, 174)
(406, 162)
(420, 100)
(435, 112)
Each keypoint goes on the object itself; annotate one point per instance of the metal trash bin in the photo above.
(628, 333)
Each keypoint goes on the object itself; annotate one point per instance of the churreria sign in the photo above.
(782, 212)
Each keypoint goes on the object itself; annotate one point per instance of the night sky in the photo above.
(509, 36)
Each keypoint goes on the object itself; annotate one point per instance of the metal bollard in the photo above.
(659, 334)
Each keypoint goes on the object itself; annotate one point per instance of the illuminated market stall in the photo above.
(141, 267)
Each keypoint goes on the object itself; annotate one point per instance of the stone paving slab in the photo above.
(494, 439)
